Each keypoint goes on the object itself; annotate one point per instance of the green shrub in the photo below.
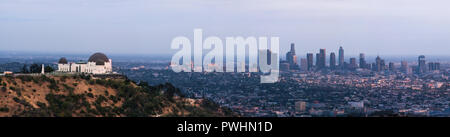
(4, 109)
(90, 95)
(41, 105)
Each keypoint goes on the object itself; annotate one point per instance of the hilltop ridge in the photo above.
(86, 96)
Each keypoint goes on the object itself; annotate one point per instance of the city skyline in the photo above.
(422, 66)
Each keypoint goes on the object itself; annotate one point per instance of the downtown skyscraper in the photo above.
(362, 60)
(404, 66)
(303, 64)
(332, 61)
(378, 64)
(422, 68)
(322, 59)
(317, 61)
(353, 65)
(432, 66)
(310, 60)
(341, 57)
(291, 58)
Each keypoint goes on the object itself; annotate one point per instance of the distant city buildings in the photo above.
(432, 66)
(353, 65)
(310, 58)
(362, 61)
(291, 58)
(379, 65)
(332, 61)
(404, 66)
(303, 64)
(422, 68)
(391, 66)
(322, 59)
(300, 106)
(317, 61)
(341, 57)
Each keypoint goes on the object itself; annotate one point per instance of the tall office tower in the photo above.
(323, 58)
(332, 60)
(353, 65)
(310, 58)
(317, 60)
(391, 66)
(293, 48)
(341, 57)
(291, 58)
(374, 66)
(303, 64)
(362, 60)
(383, 65)
(378, 64)
(404, 66)
(432, 66)
(284, 66)
(422, 67)
(295, 63)
(368, 66)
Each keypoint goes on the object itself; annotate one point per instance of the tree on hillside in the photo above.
(35, 68)
(48, 69)
(25, 69)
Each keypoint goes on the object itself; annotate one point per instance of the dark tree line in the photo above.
(35, 68)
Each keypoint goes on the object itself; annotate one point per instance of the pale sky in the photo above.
(385, 27)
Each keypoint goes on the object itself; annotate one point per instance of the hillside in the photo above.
(85, 96)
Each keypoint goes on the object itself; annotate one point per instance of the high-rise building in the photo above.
(437, 66)
(404, 66)
(293, 48)
(422, 68)
(284, 66)
(341, 57)
(310, 58)
(322, 62)
(291, 58)
(374, 66)
(362, 61)
(332, 60)
(353, 65)
(391, 66)
(368, 66)
(383, 65)
(317, 61)
(378, 64)
(303, 64)
(432, 66)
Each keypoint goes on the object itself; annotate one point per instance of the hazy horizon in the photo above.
(146, 27)
(167, 57)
